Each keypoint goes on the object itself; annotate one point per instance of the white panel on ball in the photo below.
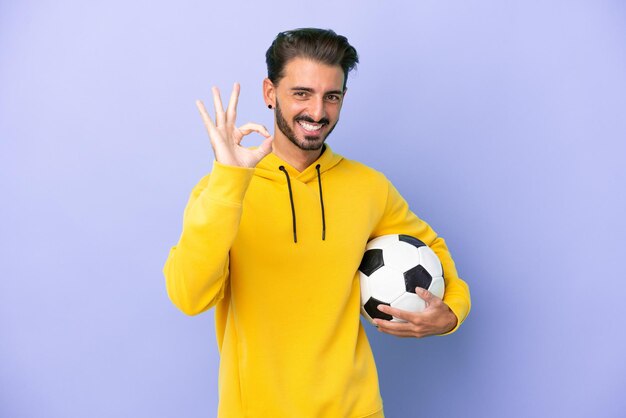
(430, 261)
(408, 302)
(386, 284)
(437, 287)
(401, 256)
(382, 242)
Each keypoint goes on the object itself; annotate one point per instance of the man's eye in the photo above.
(300, 93)
(333, 98)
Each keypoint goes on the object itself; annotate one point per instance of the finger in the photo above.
(425, 295)
(247, 129)
(208, 123)
(398, 334)
(231, 112)
(398, 313)
(254, 127)
(394, 328)
(393, 325)
(220, 118)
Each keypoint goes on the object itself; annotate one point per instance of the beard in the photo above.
(309, 142)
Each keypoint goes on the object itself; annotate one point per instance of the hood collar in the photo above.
(268, 167)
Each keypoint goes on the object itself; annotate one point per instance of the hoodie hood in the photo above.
(269, 167)
(275, 169)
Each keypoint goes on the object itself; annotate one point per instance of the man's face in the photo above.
(308, 102)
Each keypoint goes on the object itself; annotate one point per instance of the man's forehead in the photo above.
(305, 72)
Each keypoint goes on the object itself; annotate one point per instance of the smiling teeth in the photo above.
(310, 127)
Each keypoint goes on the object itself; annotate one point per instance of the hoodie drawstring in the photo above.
(319, 180)
(293, 209)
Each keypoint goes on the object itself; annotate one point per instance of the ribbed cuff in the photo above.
(459, 317)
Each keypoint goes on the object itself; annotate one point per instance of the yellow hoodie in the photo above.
(285, 285)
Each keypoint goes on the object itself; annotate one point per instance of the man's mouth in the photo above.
(311, 127)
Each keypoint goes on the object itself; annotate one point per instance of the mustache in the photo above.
(305, 118)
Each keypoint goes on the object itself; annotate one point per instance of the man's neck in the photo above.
(296, 157)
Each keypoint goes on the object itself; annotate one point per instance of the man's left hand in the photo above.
(436, 319)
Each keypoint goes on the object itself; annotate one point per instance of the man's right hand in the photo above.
(226, 137)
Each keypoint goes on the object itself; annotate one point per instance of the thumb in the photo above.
(265, 147)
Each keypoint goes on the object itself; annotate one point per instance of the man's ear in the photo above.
(269, 92)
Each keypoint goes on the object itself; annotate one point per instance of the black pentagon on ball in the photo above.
(372, 261)
(417, 277)
(411, 240)
(371, 307)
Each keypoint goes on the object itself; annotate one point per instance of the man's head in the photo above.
(320, 45)
(306, 82)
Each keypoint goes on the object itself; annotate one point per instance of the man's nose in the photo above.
(316, 109)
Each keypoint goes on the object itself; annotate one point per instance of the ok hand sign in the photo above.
(226, 137)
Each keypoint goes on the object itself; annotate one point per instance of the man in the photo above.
(273, 238)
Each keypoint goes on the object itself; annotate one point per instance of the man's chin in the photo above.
(312, 143)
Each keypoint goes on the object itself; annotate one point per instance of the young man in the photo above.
(273, 238)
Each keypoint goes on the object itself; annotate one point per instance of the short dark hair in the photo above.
(321, 45)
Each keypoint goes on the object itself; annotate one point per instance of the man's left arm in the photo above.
(441, 316)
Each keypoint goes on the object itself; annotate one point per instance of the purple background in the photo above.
(502, 123)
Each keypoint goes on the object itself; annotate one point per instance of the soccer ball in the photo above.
(392, 267)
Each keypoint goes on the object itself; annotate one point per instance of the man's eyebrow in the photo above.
(310, 90)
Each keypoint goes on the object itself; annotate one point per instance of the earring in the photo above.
(269, 106)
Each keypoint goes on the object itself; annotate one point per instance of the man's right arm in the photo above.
(196, 270)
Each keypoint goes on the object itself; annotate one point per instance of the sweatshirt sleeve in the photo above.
(196, 270)
(399, 219)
